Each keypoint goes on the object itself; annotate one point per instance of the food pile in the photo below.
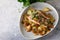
(40, 22)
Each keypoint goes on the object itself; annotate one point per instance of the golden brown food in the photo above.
(38, 21)
(46, 9)
(28, 28)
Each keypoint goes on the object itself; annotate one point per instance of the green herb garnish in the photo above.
(28, 2)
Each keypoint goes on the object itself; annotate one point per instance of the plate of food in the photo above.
(38, 20)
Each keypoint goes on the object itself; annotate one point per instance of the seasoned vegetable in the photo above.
(28, 28)
(38, 21)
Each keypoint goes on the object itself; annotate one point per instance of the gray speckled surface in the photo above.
(9, 21)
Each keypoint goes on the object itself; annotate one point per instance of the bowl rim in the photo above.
(45, 34)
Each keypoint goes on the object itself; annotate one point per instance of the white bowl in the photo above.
(38, 5)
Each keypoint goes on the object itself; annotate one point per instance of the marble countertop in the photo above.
(9, 21)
